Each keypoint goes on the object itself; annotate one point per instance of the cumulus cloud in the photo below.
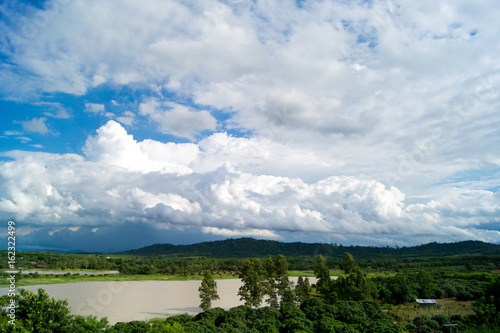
(351, 118)
(112, 145)
(121, 180)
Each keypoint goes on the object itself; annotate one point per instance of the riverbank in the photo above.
(47, 279)
(101, 276)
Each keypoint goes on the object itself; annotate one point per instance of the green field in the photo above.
(406, 313)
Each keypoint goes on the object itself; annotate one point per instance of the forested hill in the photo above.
(249, 247)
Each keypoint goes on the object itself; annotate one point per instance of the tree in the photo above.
(283, 284)
(355, 285)
(167, 328)
(302, 289)
(293, 319)
(208, 291)
(42, 313)
(425, 285)
(253, 276)
(401, 289)
(350, 265)
(487, 309)
(322, 273)
(271, 288)
(87, 324)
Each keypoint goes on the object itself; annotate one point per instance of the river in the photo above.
(139, 300)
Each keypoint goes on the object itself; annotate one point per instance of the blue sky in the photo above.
(351, 122)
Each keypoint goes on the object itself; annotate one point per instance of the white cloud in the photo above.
(95, 108)
(56, 110)
(112, 145)
(36, 125)
(174, 201)
(352, 114)
(177, 119)
(240, 233)
(11, 133)
(23, 139)
(157, 183)
(127, 118)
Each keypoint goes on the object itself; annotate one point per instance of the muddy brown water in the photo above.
(140, 300)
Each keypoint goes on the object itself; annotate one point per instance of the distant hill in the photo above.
(249, 247)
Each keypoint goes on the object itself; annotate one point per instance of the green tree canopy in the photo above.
(208, 291)
(38, 312)
(322, 273)
(253, 275)
(271, 288)
(283, 284)
(355, 285)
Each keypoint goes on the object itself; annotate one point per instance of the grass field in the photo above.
(405, 313)
(310, 273)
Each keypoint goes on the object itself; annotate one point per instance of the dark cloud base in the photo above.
(107, 239)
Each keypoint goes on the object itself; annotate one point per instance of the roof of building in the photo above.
(426, 301)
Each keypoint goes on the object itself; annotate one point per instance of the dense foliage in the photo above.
(249, 247)
(38, 312)
(407, 286)
(314, 315)
(228, 257)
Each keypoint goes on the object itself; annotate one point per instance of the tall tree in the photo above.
(302, 289)
(283, 284)
(322, 273)
(355, 285)
(271, 288)
(350, 265)
(253, 276)
(208, 291)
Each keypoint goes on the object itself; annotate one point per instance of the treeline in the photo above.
(227, 257)
(231, 266)
(249, 248)
(407, 286)
(195, 266)
(29, 260)
(270, 279)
